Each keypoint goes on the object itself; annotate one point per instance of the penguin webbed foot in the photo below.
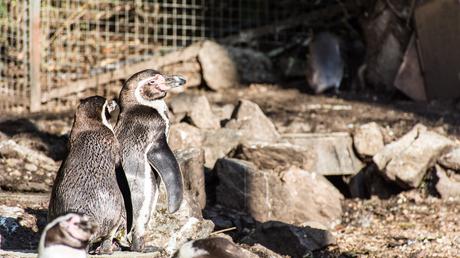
(138, 245)
(107, 247)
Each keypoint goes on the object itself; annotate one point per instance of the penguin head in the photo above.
(71, 230)
(148, 86)
(94, 109)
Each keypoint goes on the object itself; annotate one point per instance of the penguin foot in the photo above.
(105, 248)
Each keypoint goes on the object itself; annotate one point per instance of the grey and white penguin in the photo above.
(142, 130)
(66, 236)
(215, 247)
(325, 62)
(86, 182)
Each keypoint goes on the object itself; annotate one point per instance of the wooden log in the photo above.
(176, 58)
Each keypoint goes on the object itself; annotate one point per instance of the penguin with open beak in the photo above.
(142, 130)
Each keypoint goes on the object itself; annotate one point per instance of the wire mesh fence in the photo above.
(48, 45)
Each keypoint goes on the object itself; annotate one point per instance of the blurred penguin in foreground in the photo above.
(66, 236)
(325, 63)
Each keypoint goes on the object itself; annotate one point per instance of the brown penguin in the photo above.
(325, 62)
(86, 182)
(142, 131)
(66, 236)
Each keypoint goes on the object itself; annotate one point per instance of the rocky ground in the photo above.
(414, 218)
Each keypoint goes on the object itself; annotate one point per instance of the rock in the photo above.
(253, 66)
(275, 156)
(218, 143)
(290, 240)
(368, 139)
(197, 109)
(18, 228)
(224, 112)
(265, 194)
(24, 169)
(447, 183)
(451, 159)
(329, 153)
(370, 182)
(407, 160)
(295, 127)
(184, 136)
(218, 68)
(3, 137)
(192, 167)
(169, 231)
(252, 122)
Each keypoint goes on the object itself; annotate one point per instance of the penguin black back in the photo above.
(86, 182)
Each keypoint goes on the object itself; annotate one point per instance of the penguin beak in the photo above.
(111, 106)
(173, 81)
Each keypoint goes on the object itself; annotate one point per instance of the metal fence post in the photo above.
(34, 54)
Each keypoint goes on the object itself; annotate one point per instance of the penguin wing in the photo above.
(162, 159)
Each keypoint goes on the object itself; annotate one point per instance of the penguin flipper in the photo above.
(126, 193)
(162, 159)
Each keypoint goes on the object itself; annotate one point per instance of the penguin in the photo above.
(142, 130)
(86, 182)
(325, 64)
(66, 236)
(215, 247)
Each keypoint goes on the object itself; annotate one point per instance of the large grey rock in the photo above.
(265, 194)
(218, 143)
(329, 153)
(25, 169)
(451, 159)
(368, 139)
(447, 183)
(170, 231)
(275, 156)
(252, 122)
(197, 108)
(192, 167)
(407, 160)
(183, 136)
(289, 239)
(218, 68)
(253, 66)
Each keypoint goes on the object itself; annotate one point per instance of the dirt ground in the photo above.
(410, 224)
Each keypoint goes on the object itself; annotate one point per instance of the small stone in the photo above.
(447, 184)
(184, 136)
(30, 167)
(218, 143)
(223, 112)
(368, 139)
(451, 159)
(252, 122)
(197, 109)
